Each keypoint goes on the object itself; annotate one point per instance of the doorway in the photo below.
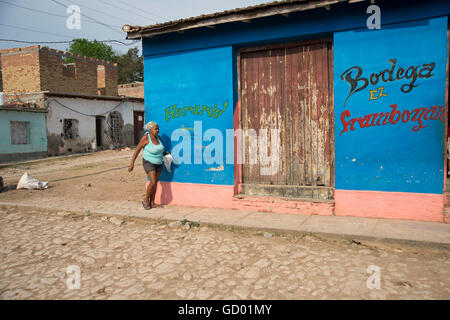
(99, 131)
(289, 87)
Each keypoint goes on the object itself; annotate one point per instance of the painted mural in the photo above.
(390, 107)
(354, 76)
(174, 111)
(197, 99)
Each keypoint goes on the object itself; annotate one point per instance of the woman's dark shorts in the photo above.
(148, 166)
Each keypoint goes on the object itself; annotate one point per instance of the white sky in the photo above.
(24, 24)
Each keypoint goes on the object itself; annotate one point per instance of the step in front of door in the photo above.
(305, 193)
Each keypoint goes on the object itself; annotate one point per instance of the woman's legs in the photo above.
(153, 192)
(148, 190)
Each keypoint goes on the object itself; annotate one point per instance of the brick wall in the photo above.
(83, 79)
(34, 69)
(107, 78)
(279, 205)
(132, 90)
(36, 98)
(20, 69)
(101, 80)
(111, 79)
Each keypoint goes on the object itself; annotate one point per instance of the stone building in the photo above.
(35, 69)
(79, 96)
(135, 89)
(357, 115)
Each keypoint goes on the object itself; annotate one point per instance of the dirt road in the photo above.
(99, 176)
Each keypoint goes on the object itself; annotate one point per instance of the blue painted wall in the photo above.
(191, 79)
(38, 132)
(401, 155)
(198, 67)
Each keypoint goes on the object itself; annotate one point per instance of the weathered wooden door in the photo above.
(289, 88)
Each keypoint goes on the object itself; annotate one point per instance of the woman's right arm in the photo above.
(142, 144)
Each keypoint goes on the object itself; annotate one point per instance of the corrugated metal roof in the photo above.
(239, 14)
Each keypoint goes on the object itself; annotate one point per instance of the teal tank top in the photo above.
(153, 153)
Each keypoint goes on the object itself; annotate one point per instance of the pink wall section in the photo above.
(194, 194)
(369, 204)
(219, 196)
(393, 205)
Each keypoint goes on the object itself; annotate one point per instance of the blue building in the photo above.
(314, 107)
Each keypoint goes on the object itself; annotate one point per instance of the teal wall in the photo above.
(38, 132)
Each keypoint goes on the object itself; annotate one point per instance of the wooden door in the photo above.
(289, 87)
(138, 126)
(99, 131)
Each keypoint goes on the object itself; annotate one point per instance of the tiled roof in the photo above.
(239, 14)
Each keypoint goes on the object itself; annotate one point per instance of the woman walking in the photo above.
(152, 159)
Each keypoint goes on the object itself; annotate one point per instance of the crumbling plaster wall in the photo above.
(84, 111)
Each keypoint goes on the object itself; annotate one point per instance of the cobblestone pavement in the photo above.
(138, 259)
(48, 165)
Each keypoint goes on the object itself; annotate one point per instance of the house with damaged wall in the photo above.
(358, 115)
(83, 111)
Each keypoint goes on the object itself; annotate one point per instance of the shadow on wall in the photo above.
(166, 189)
(128, 135)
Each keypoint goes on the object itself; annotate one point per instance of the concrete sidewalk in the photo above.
(404, 231)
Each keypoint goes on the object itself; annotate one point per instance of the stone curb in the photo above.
(236, 225)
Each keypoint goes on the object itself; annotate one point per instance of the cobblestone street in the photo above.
(133, 258)
(215, 159)
(138, 259)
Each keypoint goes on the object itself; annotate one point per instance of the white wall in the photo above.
(86, 121)
(127, 110)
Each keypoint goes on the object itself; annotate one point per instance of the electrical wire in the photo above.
(37, 31)
(55, 34)
(57, 42)
(111, 5)
(84, 114)
(84, 15)
(31, 42)
(45, 12)
(106, 14)
(142, 10)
